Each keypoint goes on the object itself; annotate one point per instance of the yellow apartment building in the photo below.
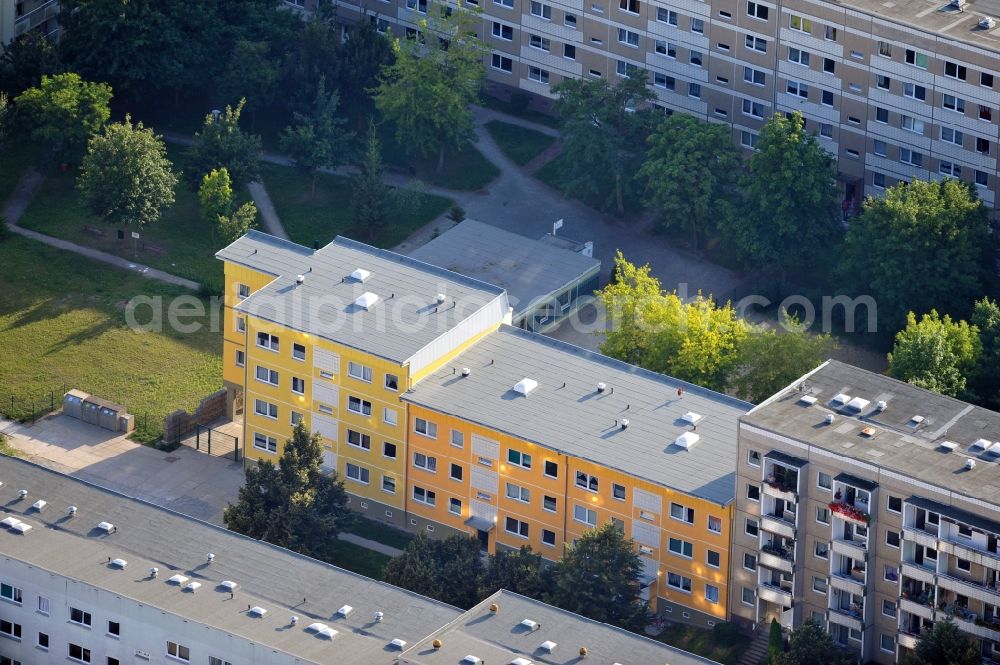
(332, 337)
(442, 418)
(525, 440)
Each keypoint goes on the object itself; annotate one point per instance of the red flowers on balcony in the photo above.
(849, 511)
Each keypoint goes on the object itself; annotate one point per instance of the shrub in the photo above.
(775, 642)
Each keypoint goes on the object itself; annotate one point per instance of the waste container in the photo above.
(73, 403)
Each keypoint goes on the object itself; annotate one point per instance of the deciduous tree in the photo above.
(520, 571)
(598, 577)
(691, 172)
(360, 59)
(317, 139)
(768, 360)
(251, 73)
(789, 212)
(63, 112)
(449, 570)
(427, 91)
(986, 317)
(945, 644)
(126, 178)
(923, 245)
(936, 353)
(235, 224)
(215, 195)
(221, 143)
(604, 129)
(810, 644)
(25, 60)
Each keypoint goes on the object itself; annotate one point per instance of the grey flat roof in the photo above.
(566, 413)
(936, 17)
(406, 317)
(268, 576)
(898, 443)
(528, 269)
(497, 638)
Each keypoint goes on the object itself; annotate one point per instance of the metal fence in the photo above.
(29, 406)
(213, 442)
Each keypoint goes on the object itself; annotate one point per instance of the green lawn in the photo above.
(381, 533)
(16, 156)
(466, 170)
(360, 560)
(520, 144)
(497, 104)
(703, 642)
(187, 242)
(62, 322)
(308, 218)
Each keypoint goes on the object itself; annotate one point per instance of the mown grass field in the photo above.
(521, 145)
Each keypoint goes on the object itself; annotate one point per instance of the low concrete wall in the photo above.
(180, 422)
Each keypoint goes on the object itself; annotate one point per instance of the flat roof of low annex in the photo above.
(500, 637)
(280, 581)
(404, 319)
(565, 412)
(528, 269)
(896, 442)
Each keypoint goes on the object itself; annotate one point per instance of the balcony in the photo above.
(854, 549)
(920, 537)
(918, 572)
(970, 588)
(966, 549)
(777, 558)
(849, 618)
(782, 487)
(970, 623)
(851, 583)
(912, 606)
(774, 594)
(778, 525)
(907, 641)
(850, 513)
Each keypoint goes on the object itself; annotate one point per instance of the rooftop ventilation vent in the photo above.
(178, 580)
(466, 371)
(915, 421)
(71, 510)
(366, 300)
(21, 528)
(857, 404)
(987, 23)
(691, 418)
(829, 419)
(868, 432)
(687, 440)
(328, 633)
(472, 660)
(38, 505)
(881, 405)
(995, 448)
(316, 627)
(257, 611)
(345, 610)
(520, 661)
(548, 645)
(949, 445)
(625, 423)
(10, 522)
(840, 398)
(229, 585)
(525, 386)
(106, 527)
(398, 643)
(980, 444)
(601, 387)
(192, 587)
(300, 279)
(529, 624)
(119, 563)
(22, 493)
(360, 275)
(808, 400)
(970, 464)
(440, 298)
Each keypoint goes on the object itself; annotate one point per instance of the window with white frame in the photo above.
(748, 139)
(549, 503)
(714, 524)
(712, 594)
(79, 653)
(359, 406)
(911, 157)
(585, 515)
(694, 90)
(425, 427)
(359, 440)
(266, 409)
(695, 58)
(76, 615)
(456, 471)
(682, 513)
(457, 438)
(950, 135)
(539, 42)
(914, 91)
(425, 462)
(911, 124)
(43, 605)
(754, 43)
(798, 89)
(698, 26)
(754, 76)
(265, 375)
(679, 582)
(13, 594)
(661, 80)
(10, 629)
(587, 481)
(503, 31)
(538, 75)
(268, 341)
(241, 324)
(757, 10)
(298, 385)
(359, 372)
(541, 10)
(950, 169)
(391, 382)
(390, 416)
(425, 496)
(298, 351)
(751, 528)
(388, 484)
(916, 59)
(953, 103)
(178, 651)
(518, 493)
(798, 56)
(548, 537)
(665, 48)
(517, 458)
(516, 527)
(243, 291)
(266, 443)
(628, 37)
(755, 110)
(749, 561)
(455, 506)
(388, 450)
(357, 473)
(879, 148)
(680, 547)
(799, 24)
(667, 16)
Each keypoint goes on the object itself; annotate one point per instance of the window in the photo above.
(682, 513)
(243, 291)
(799, 23)
(388, 450)
(241, 324)
(879, 148)
(887, 643)
(679, 582)
(963, 564)
(425, 462)
(986, 80)
(13, 594)
(502, 31)
(114, 628)
(456, 471)
(43, 641)
(749, 561)
(178, 651)
(212, 660)
(266, 443)
(586, 481)
(714, 524)
(857, 55)
(359, 406)
(695, 58)
(889, 608)
(79, 654)
(418, 5)
(570, 20)
(819, 584)
(539, 42)
(548, 537)
(266, 375)
(298, 351)
(830, 33)
(680, 547)
(982, 178)
(713, 559)
(549, 503)
(551, 469)
(890, 573)
(756, 110)
(947, 168)
(454, 506)
(632, 6)
(826, 130)
(517, 458)
(509, 4)
(758, 11)
(618, 491)
(10, 629)
(878, 180)
(694, 90)
(518, 493)
(665, 48)
(829, 66)
(755, 43)
(724, 14)
(664, 81)
(911, 124)
(881, 115)
(516, 527)
(822, 514)
(915, 91)
(953, 103)
(949, 135)
(751, 528)
(388, 484)
(628, 37)
(982, 146)
(954, 70)
(43, 604)
(359, 372)
(916, 59)
(748, 139)
(541, 9)
(358, 473)
(421, 495)
(755, 76)
(985, 113)
(359, 440)
(569, 51)
(425, 427)
(912, 157)
(748, 596)
(712, 593)
(666, 16)
(502, 63)
(826, 98)
(798, 89)
(698, 26)
(241, 357)
(882, 81)
(585, 515)
(538, 75)
(892, 539)
(855, 87)
(266, 341)
(753, 492)
(79, 616)
(821, 550)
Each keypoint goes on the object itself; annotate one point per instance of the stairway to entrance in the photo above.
(756, 653)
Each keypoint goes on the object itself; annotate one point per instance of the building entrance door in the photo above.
(484, 539)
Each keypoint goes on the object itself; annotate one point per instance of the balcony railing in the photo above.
(774, 594)
(973, 588)
(849, 512)
(847, 617)
(923, 610)
(777, 524)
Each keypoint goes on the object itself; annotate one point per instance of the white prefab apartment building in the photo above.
(113, 580)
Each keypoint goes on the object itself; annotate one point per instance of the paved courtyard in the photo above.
(184, 480)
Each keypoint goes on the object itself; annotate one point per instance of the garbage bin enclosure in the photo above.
(73, 403)
(97, 411)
